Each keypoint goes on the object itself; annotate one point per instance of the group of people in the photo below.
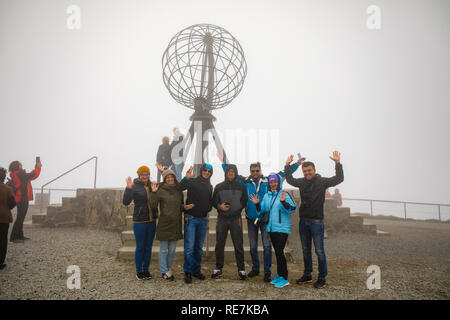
(166, 159)
(267, 209)
(16, 192)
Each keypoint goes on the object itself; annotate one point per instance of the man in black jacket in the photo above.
(198, 204)
(229, 198)
(163, 156)
(312, 193)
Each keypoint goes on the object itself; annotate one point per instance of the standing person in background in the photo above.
(338, 197)
(178, 156)
(279, 206)
(144, 220)
(169, 229)
(7, 202)
(163, 157)
(311, 227)
(21, 184)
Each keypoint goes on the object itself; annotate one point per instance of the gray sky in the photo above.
(316, 74)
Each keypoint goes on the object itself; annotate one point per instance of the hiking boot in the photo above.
(242, 275)
(199, 275)
(304, 279)
(187, 277)
(320, 283)
(147, 275)
(267, 277)
(216, 273)
(282, 282)
(253, 273)
(140, 275)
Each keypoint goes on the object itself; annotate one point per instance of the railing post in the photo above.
(439, 211)
(95, 174)
(42, 203)
(371, 208)
(404, 206)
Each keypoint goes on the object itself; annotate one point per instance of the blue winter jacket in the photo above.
(280, 214)
(250, 186)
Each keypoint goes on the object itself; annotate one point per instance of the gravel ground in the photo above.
(414, 264)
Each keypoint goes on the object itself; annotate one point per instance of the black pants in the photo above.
(17, 230)
(3, 241)
(235, 227)
(279, 240)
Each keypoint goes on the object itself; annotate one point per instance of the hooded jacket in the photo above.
(312, 192)
(140, 196)
(280, 212)
(199, 192)
(231, 191)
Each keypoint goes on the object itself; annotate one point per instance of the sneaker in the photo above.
(140, 275)
(187, 277)
(147, 275)
(2, 266)
(304, 279)
(216, 273)
(267, 277)
(282, 282)
(242, 275)
(167, 276)
(253, 273)
(199, 275)
(320, 283)
(275, 280)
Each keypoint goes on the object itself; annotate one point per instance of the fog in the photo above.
(317, 77)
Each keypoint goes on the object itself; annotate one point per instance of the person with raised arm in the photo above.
(278, 206)
(312, 189)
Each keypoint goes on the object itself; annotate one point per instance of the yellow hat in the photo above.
(143, 169)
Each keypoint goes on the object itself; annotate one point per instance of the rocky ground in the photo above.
(414, 262)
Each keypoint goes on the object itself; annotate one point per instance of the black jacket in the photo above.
(138, 194)
(163, 156)
(312, 192)
(199, 192)
(232, 192)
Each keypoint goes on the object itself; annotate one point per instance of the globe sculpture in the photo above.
(204, 69)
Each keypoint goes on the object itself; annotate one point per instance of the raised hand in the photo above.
(283, 196)
(155, 186)
(254, 198)
(221, 155)
(129, 183)
(190, 173)
(159, 167)
(289, 159)
(301, 160)
(189, 206)
(336, 156)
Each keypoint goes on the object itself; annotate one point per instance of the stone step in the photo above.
(38, 218)
(370, 228)
(128, 239)
(127, 254)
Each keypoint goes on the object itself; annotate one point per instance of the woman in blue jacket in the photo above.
(279, 206)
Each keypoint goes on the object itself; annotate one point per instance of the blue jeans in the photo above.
(194, 237)
(177, 168)
(267, 246)
(144, 233)
(313, 231)
(166, 255)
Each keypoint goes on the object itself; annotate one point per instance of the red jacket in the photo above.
(22, 182)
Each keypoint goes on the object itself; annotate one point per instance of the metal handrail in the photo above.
(439, 205)
(76, 167)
